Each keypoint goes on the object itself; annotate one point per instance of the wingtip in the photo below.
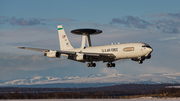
(20, 47)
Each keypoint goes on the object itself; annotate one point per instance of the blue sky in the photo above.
(33, 23)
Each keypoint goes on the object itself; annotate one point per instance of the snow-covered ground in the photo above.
(137, 99)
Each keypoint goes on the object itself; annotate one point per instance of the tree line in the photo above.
(116, 91)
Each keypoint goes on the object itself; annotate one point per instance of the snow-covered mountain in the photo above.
(156, 78)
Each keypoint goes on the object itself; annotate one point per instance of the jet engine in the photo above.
(52, 54)
(80, 56)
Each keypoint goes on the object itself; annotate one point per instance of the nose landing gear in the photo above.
(141, 60)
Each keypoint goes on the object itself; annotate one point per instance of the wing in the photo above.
(105, 57)
(47, 50)
(109, 55)
(35, 49)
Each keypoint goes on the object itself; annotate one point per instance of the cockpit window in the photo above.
(146, 46)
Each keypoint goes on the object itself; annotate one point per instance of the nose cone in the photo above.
(151, 50)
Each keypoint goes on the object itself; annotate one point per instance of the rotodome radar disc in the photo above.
(86, 31)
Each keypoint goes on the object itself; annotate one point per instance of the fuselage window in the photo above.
(128, 49)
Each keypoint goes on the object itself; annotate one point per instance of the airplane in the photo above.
(91, 54)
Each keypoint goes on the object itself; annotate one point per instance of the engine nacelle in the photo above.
(80, 56)
(52, 54)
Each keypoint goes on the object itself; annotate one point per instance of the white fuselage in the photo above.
(121, 51)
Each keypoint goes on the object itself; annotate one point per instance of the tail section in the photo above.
(63, 39)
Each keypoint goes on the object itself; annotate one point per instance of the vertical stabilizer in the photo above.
(63, 39)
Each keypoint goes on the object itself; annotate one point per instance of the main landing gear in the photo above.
(91, 64)
(110, 64)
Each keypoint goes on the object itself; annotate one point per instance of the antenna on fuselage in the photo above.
(86, 34)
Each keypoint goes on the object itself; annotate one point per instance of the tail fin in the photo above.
(63, 39)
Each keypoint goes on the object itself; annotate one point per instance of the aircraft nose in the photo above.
(150, 49)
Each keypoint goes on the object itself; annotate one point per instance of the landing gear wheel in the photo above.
(108, 65)
(91, 64)
(88, 64)
(111, 65)
(94, 64)
(140, 61)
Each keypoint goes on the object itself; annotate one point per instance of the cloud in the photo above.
(15, 62)
(170, 38)
(109, 71)
(129, 21)
(31, 21)
(55, 19)
(20, 21)
(175, 15)
(168, 25)
(27, 62)
(23, 36)
(3, 19)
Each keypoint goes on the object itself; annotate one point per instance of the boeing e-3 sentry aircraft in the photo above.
(91, 54)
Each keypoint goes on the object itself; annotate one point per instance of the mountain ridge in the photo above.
(156, 78)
